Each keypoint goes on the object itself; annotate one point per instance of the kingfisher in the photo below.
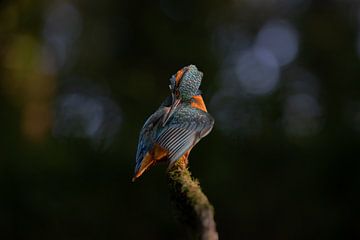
(177, 125)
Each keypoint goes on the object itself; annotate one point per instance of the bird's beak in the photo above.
(174, 105)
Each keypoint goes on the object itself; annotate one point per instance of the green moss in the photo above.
(193, 207)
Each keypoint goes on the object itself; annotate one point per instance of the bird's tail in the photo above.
(157, 154)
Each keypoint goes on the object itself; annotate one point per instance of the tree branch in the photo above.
(193, 207)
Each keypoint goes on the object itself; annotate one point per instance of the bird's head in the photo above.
(183, 86)
(185, 83)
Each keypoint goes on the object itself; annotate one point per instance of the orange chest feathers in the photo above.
(198, 103)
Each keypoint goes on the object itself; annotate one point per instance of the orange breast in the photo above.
(198, 103)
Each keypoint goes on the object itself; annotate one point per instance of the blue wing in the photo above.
(186, 127)
(147, 135)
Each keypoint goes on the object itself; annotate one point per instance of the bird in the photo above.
(177, 125)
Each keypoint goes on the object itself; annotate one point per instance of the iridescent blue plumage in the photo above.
(190, 82)
(177, 126)
(149, 130)
(184, 129)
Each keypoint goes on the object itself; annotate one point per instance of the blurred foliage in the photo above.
(79, 78)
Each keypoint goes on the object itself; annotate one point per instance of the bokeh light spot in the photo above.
(281, 39)
(86, 115)
(258, 71)
(63, 26)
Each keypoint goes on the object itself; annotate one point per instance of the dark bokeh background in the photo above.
(79, 78)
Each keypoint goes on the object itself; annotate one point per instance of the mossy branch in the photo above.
(193, 207)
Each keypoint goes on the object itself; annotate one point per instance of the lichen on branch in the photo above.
(193, 207)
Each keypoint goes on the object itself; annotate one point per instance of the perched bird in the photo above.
(177, 126)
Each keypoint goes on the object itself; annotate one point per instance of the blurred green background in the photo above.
(79, 78)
